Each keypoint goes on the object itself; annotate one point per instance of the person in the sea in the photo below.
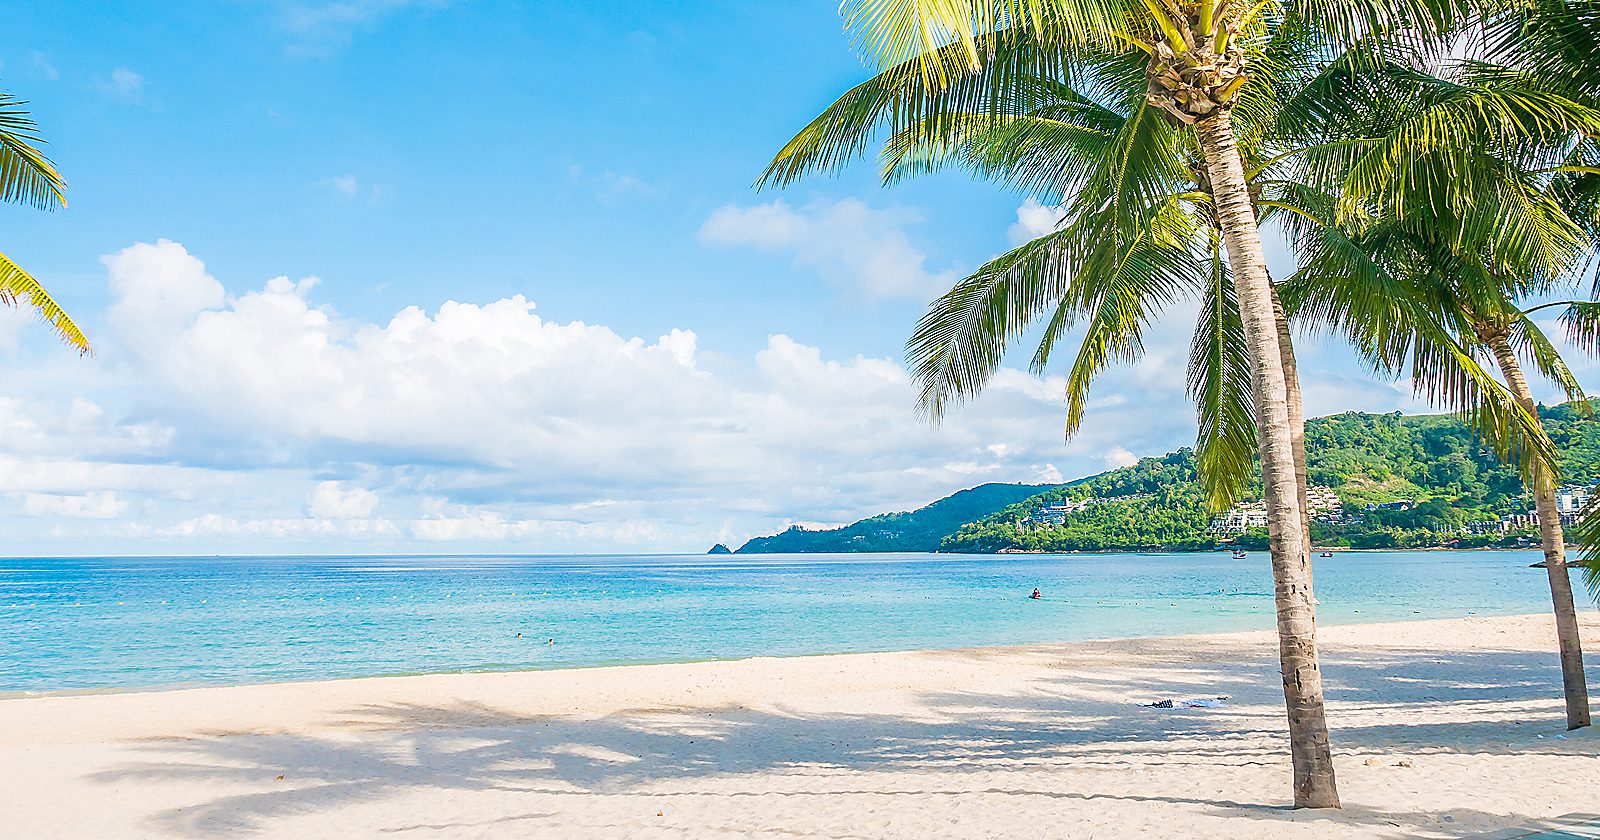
(1036, 596)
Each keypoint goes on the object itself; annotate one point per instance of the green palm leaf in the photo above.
(1219, 383)
(26, 175)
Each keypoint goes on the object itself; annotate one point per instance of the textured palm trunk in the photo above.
(1555, 561)
(1291, 563)
(1297, 418)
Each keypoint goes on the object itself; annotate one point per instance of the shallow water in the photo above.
(120, 622)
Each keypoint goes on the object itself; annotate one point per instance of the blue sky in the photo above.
(382, 275)
(411, 153)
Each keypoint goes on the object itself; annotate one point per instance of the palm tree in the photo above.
(1194, 57)
(1457, 232)
(28, 177)
(1192, 69)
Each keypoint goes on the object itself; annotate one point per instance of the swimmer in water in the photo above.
(550, 643)
(1036, 596)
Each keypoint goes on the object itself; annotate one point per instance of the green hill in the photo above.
(917, 530)
(1432, 462)
(1152, 504)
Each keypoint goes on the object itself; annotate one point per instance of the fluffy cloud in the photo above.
(213, 421)
(853, 244)
(96, 505)
(1119, 457)
(236, 420)
(1033, 221)
(509, 399)
(331, 500)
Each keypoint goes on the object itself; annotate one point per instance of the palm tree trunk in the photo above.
(1555, 561)
(1291, 564)
(1297, 417)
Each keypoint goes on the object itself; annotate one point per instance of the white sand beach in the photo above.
(1441, 729)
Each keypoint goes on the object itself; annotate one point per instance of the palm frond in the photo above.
(1220, 384)
(1586, 533)
(17, 287)
(26, 175)
(1531, 341)
(1581, 320)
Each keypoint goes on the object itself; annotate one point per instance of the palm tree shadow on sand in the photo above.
(966, 743)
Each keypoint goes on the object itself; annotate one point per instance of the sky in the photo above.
(452, 277)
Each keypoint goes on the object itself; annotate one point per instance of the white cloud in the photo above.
(1047, 474)
(1033, 221)
(610, 187)
(220, 416)
(346, 185)
(1119, 457)
(331, 500)
(217, 525)
(321, 28)
(156, 289)
(848, 242)
(94, 505)
(445, 522)
(123, 85)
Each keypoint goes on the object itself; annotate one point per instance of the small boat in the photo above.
(1327, 554)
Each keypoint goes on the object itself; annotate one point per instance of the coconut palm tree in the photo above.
(1461, 231)
(1485, 305)
(28, 177)
(1544, 242)
(1195, 69)
(1132, 247)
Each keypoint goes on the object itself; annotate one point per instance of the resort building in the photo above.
(1572, 499)
(1056, 515)
(1240, 518)
(1322, 503)
(1570, 503)
(1053, 514)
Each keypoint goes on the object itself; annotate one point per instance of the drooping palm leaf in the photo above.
(26, 175)
(19, 287)
(1219, 383)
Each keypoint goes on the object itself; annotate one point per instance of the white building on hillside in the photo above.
(1322, 503)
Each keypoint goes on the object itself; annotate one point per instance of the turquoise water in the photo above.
(155, 622)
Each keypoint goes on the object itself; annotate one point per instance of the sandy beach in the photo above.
(1441, 729)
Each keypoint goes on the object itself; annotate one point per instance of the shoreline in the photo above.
(936, 743)
(9, 696)
(1263, 637)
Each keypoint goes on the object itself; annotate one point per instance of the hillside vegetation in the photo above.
(1432, 461)
(918, 530)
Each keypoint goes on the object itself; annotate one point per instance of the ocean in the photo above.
(129, 623)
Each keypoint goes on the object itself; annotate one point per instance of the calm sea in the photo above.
(121, 622)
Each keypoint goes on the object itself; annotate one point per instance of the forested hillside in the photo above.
(917, 530)
(1431, 461)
